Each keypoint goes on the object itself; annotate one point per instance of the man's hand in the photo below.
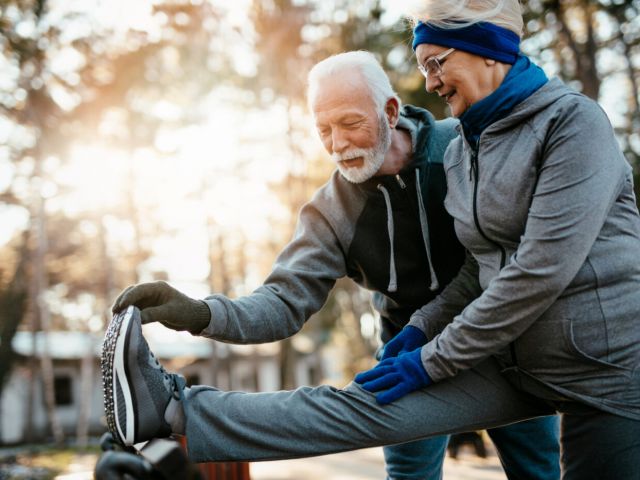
(160, 302)
(114, 465)
(121, 463)
(395, 377)
(407, 340)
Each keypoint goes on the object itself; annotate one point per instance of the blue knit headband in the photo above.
(484, 39)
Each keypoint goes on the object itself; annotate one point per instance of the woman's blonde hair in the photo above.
(459, 13)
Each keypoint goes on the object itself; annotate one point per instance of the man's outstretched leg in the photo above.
(234, 426)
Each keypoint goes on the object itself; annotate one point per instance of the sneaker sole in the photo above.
(114, 374)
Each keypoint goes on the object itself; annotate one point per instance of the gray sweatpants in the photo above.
(234, 426)
(229, 426)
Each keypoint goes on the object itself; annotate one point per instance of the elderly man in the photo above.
(380, 220)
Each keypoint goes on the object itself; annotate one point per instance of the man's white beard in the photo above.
(373, 157)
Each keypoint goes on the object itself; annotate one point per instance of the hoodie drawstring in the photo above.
(393, 277)
(424, 226)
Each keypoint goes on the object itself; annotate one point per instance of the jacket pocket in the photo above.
(550, 349)
(542, 348)
(594, 352)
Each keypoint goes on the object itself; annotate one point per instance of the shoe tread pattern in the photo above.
(106, 365)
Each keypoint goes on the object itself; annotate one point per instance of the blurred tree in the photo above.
(66, 79)
(280, 78)
(364, 25)
(594, 45)
(13, 297)
(28, 106)
(292, 36)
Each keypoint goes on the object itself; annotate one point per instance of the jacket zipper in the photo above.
(475, 169)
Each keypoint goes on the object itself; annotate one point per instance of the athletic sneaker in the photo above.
(137, 389)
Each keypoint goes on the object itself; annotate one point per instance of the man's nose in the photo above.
(339, 141)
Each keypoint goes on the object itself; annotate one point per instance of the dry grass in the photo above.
(39, 463)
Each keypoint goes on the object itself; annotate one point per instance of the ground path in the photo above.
(365, 464)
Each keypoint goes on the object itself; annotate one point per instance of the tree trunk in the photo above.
(287, 365)
(28, 433)
(13, 302)
(296, 196)
(634, 107)
(86, 389)
(42, 311)
(87, 365)
(214, 361)
(584, 54)
(139, 255)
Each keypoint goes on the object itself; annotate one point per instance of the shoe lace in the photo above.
(176, 382)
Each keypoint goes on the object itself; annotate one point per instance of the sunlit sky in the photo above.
(96, 174)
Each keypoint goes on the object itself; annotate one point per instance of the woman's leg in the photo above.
(417, 460)
(233, 426)
(529, 449)
(597, 445)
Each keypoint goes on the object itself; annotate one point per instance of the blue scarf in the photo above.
(524, 78)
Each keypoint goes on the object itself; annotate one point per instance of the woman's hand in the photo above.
(395, 377)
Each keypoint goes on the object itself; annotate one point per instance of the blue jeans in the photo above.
(527, 450)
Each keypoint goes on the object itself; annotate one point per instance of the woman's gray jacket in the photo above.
(552, 286)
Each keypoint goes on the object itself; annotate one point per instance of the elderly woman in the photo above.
(543, 199)
(544, 316)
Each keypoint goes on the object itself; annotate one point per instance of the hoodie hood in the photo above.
(546, 95)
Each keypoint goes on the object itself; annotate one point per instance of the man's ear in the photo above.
(392, 111)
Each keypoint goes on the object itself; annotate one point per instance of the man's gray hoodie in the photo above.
(390, 234)
(546, 208)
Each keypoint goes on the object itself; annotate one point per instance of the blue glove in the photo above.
(407, 340)
(395, 377)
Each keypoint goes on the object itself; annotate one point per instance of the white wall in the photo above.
(13, 406)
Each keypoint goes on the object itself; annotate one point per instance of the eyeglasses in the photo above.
(433, 65)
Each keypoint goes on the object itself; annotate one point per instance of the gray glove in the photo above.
(160, 302)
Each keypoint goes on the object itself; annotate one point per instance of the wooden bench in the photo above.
(221, 470)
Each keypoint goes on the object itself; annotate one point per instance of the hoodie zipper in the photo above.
(475, 169)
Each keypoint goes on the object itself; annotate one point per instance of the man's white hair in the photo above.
(359, 61)
(456, 13)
